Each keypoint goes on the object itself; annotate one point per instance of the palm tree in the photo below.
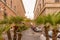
(42, 20)
(54, 20)
(21, 28)
(18, 21)
(7, 27)
(1, 31)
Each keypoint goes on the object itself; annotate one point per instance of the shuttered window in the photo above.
(57, 1)
(5, 1)
(11, 3)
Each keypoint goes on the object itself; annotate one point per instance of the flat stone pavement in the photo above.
(31, 35)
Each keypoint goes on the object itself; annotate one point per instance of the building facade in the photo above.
(12, 8)
(44, 7)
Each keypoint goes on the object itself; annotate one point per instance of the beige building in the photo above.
(12, 8)
(44, 7)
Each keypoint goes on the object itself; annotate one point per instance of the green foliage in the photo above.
(1, 38)
(3, 28)
(11, 20)
(40, 20)
(21, 27)
(16, 19)
(4, 21)
(53, 19)
(27, 20)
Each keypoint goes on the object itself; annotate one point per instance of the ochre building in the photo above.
(44, 7)
(11, 8)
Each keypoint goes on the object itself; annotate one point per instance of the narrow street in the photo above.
(31, 35)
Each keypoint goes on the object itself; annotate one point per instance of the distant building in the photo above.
(44, 7)
(12, 8)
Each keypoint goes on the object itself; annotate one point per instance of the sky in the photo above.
(29, 8)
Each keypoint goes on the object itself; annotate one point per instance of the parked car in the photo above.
(58, 35)
(36, 29)
(50, 34)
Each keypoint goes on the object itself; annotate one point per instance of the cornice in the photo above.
(23, 6)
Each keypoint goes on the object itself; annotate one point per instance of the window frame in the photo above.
(57, 1)
(5, 1)
(11, 3)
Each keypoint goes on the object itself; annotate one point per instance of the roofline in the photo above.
(35, 5)
(23, 6)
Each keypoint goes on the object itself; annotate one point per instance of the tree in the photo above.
(54, 20)
(42, 20)
(19, 26)
(6, 27)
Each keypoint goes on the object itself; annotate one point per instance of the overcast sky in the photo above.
(29, 7)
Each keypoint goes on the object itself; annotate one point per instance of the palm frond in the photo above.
(40, 20)
(16, 19)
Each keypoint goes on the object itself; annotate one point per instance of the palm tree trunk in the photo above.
(46, 33)
(9, 35)
(14, 38)
(54, 35)
(19, 35)
(15, 30)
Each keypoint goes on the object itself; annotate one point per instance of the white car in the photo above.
(37, 29)
(50, 34)
(58, 35)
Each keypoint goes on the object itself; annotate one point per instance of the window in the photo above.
(5, 1)
(5, 14)
(57, 1)
(39, 7)
(15, 8)
(43, 2)
(11, 3)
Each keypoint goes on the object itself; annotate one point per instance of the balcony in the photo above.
(52, 4)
